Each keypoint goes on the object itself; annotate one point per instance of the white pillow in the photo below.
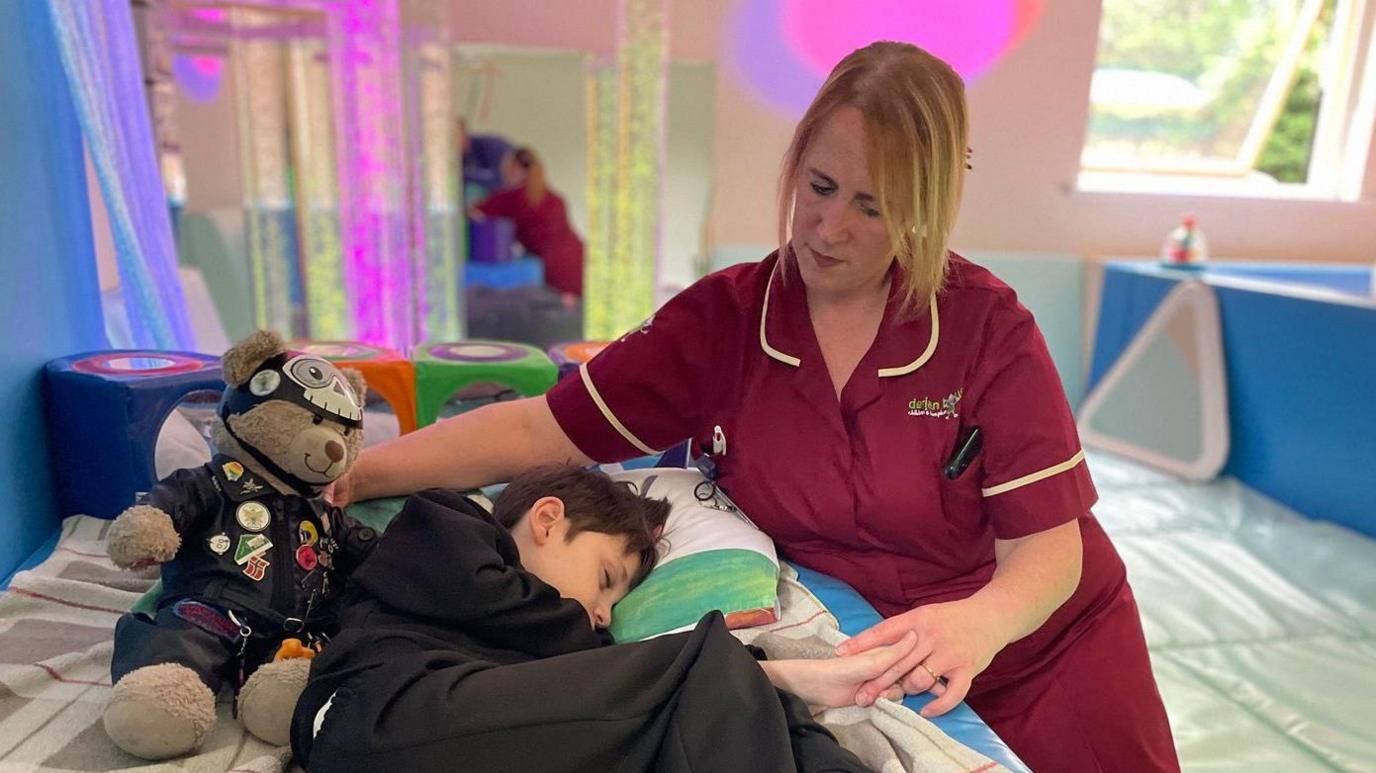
(712, 557)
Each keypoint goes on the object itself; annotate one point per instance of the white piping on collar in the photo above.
(926, 354)
(787, 359)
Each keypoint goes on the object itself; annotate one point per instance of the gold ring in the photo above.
(935, 679)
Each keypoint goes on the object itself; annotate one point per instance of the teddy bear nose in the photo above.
(335, 450)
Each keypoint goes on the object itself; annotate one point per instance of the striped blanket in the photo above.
(57, 622)
(888, 737)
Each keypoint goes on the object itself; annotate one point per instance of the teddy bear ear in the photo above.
(356, 381)
(243, 358)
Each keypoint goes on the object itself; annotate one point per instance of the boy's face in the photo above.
(593, 568)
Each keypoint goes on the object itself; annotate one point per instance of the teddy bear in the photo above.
(252, 556)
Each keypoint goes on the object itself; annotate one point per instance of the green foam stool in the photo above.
(442, 369)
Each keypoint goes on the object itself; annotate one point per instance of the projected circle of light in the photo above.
(465, 352)
(135, 364)
(342, 350)
(783, 49)
(199, 76)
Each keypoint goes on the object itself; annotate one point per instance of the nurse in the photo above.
(835, 383)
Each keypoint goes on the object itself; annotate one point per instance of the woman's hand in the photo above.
(835, 682)
(955, 641)
(341, 492)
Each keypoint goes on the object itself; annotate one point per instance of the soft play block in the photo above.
(490, 239)
(568, 357)
(105, 410)
(387, 371)
(443, 369)
(507, 275)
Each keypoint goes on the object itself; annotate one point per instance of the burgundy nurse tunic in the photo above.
(854, 487)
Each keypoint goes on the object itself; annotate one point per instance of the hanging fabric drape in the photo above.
(101, 59)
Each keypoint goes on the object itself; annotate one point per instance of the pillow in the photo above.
(711, 557)
(677, 457)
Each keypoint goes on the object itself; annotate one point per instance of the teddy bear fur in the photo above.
(165, 710)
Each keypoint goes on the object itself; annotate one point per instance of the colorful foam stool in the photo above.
(387, 371)
(105, 411)
(442, 369)
(569, 356)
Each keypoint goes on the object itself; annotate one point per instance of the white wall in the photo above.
(1028, 119)
(209, 136)
(688, 184)
(538, 99)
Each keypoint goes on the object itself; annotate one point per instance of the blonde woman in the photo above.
(542, 219)
(888, 412)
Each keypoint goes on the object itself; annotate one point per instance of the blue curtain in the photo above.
(101, 59)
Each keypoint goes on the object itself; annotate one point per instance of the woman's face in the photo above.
(839, 234)
(513, 174)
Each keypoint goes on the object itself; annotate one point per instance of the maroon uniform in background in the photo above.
(545, 231)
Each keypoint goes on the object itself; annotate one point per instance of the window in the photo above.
(1241, 96)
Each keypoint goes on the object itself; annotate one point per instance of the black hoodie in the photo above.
(445, 583)
(443, 601)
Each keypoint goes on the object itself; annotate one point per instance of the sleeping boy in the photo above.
(478, 642)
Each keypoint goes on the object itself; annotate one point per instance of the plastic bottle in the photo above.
(1185, 245)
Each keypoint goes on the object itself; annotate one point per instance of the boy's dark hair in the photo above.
(592, 502)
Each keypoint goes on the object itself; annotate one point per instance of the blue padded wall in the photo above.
(1300, 370)
(49, 296)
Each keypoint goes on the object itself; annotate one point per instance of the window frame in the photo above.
(1343, 131)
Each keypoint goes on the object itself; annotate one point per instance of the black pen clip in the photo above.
(968, 446)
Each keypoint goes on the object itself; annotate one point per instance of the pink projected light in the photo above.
(199, 76)
(783, 49)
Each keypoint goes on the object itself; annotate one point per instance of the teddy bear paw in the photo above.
(160, 711)
(140, 535)
(268, 698)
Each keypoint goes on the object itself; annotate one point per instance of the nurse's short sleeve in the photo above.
(1034, 475)
(648, 390)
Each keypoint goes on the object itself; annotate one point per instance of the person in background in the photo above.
(542, 220)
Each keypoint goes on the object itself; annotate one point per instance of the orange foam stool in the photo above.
(388, 372)
(571, 355)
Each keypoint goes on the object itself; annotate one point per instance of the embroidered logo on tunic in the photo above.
(944, 408)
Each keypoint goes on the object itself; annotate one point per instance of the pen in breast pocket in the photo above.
(968, 446)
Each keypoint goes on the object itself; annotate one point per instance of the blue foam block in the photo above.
(520, 272)
(1298, 359)
(104, 422)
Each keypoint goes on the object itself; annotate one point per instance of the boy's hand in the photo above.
(836, 682)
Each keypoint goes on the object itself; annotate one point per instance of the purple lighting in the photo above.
(367, 66)
(782, 50)
(199, 76)
(968, 35)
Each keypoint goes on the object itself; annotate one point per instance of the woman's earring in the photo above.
(968, 153)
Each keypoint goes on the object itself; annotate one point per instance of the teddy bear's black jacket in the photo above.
(247, 547)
